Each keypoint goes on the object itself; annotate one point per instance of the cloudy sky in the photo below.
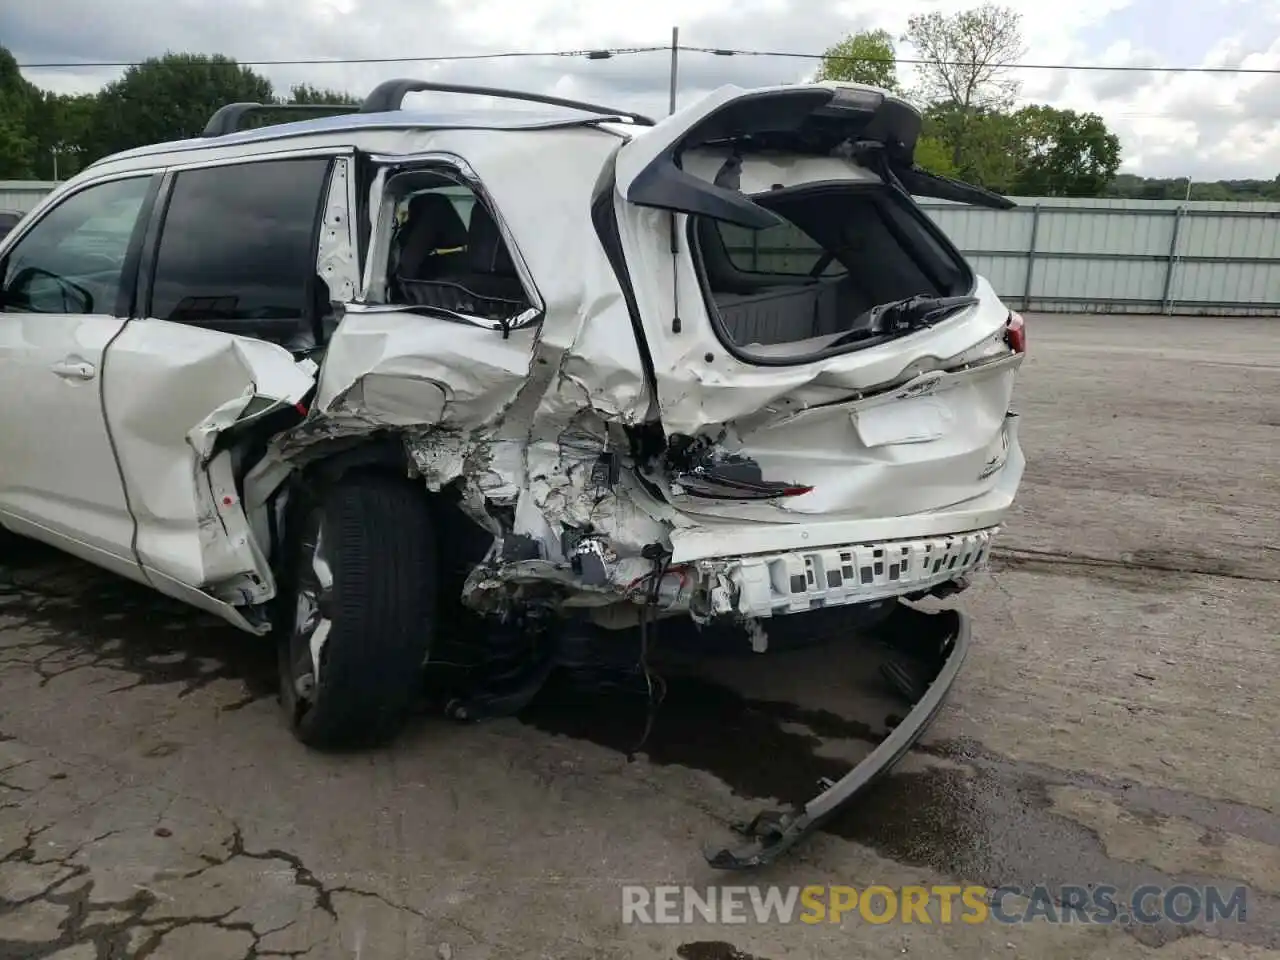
(1205, 125)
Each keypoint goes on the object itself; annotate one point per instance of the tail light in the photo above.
(1015, 333)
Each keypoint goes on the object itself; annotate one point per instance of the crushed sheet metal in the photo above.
(235, 568)
(171, 389)
(478, 371)
(557, 487)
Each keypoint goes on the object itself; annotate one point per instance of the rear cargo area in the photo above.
(842, 249)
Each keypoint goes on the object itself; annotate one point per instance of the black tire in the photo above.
(381, 552)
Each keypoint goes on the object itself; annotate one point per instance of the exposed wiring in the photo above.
(655, 685)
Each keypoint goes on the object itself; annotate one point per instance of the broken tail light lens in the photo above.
(1015, 333)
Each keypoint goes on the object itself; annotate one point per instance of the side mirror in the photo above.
(74, 298)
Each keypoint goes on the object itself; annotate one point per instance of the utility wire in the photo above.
(502, 55)
(610, 52)
(1130, 68)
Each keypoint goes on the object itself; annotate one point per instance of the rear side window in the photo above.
(782, 250)
(237, 250)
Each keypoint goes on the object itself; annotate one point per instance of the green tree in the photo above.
(966, 58)
(1156, 188)
(17, 142)
(305, 93)
(1063, 153)
(169, 98)
(981, 144)
(865, 57)
(934, 155)
(61, 125)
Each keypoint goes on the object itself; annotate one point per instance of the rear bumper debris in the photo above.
(943, 639)
(770, 585)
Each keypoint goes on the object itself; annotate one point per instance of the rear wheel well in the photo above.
(385, 456)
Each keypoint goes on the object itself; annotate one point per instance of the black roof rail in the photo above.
(227, 119)
(389, 96)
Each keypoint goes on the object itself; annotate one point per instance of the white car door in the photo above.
(228, 308)
(66, 284)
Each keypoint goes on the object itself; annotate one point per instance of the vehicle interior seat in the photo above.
(480, 280)
(433, 236)
(490, 271)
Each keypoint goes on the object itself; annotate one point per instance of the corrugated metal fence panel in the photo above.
(23, 195)
(1145, 256)
(1007, 272)
(1081, 254)
(1255, 285)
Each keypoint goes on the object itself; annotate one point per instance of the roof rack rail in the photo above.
(389, 95)
(227, 119)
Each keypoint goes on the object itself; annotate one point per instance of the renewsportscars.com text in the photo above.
(940, 904)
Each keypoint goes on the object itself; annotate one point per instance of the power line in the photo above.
(309, 62)
(610, 52)
(1128, 68)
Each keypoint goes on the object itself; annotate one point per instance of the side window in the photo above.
(781, 250)
(73, 259)
(238, 249)
(447, 253)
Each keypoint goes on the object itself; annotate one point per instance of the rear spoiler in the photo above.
(813, 119)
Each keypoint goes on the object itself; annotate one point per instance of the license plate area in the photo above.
(915, 420)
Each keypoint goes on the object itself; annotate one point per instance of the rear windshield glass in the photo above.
(801, 286)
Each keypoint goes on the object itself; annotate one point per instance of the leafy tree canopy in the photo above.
(866, 57)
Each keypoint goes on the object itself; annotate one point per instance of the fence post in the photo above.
(1031, 256)
(1166, 305)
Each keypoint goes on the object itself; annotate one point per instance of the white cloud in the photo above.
(1170, 125)
(1220, 126)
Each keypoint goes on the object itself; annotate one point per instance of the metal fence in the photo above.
(22, 195)
(1084, 255)
(1124, 256)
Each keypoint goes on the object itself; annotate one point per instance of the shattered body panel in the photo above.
(165, 395)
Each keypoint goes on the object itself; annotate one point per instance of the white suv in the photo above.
(562, 364)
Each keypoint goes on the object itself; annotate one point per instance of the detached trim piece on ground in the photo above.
(774, 832)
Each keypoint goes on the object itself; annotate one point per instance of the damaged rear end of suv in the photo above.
(828, 387)
(563, 382)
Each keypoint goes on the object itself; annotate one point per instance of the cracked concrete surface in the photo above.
(1115, 723)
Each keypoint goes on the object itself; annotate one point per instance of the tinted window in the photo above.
(782, 249)
(72, 260)
(236, 252)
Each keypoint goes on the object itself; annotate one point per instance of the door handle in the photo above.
(75, 369)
